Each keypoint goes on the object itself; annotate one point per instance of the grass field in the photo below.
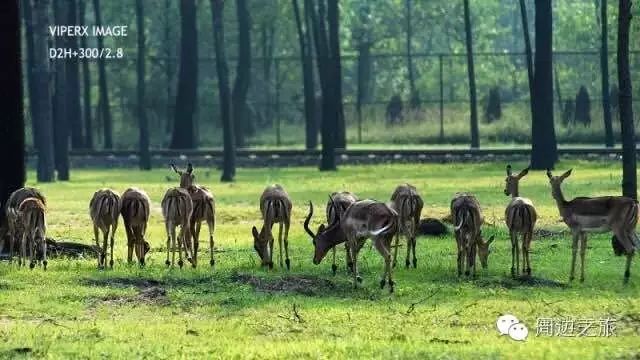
(241, 311)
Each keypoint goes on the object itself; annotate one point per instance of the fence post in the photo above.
(277, 102)
(441, 100)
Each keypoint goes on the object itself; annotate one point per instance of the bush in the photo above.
(493, 109)
(583, 107)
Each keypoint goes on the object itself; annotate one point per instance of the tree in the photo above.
(145, 157)
(629, 177)
(325, 70)
(183, 123)
(333, 22)
(41, 75)
(604, 70)
(105, 105)
(72, 78)
(33, 100)
(86, 83)
(475, 141)
(544, 151)
(306, 58)
(528, 55)
(243, 73)
(415, 100)
(229, 153)
(60, 114)
(11, 106)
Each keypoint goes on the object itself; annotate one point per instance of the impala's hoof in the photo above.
(382, 283)
(467, 273)
(168, 263)
(288, 263)
(44, 265)
(513, 272)
(394, 264)
(571, 278)
(212, 262)
(111, 264)
(334, 268)
(407, 263)
(193, 265)
(391, 286)
(359, 279)
(32, 265)
(581, 279)
(180, 263)
(270, 265)
(415, 263)
(142, 262)
(529, 271)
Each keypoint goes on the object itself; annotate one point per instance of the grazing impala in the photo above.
(520, 217)
(177, 208)
(617, 214)
(34, 228)
(104, 209)
(135, 213)
(204, 209)
(466, 215)
(327, 237)
(14, 225)
(406, 201)
(366, 219)
(275, 207)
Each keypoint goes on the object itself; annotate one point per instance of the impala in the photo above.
(177, 209)
(34, 228)
(14, 224)
(275, 207)
(408, 204)
(204, 209)
(466, 215)
(617, 214)
(104, 209)
(520, 216)
(135, 208)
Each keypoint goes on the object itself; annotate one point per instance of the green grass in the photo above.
(241, 311)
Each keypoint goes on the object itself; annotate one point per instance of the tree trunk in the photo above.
(183, 124)
(11, 106)
(333, 21)
(46, 162)
(243, 73)
(414, 100)
(72, 73)
(629, 177)
(145, 157)
(306, 59)
(528, 55)
(60, 113)
(544, 151)
(268, 44)
(475, 141)
(604, 69)
(33, 100)
(325, 69)
(105, 105)
(168, 52)
(229, 153)
(86, 84)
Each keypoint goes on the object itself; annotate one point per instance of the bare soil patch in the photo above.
(306, 285)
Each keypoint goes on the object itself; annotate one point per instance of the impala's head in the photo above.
(556, 181)
(187, 179)
(512, 180)
(325, 238)
(261, 241)
(484, 250)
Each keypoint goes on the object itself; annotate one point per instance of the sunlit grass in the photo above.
(75, 310)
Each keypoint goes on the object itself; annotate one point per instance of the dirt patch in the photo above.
(122, 282)
(546, 233)
(150, 291)
(305, 285)
(523, 281)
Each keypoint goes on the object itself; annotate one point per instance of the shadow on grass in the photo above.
(519, 282)
(308, 285)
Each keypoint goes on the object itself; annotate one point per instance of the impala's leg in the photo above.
(44, 252)
(472, 260)
(407, 261)
(113, 240)
(12, 244)
(196, 244)
(526, 247)
(174, 244)
(348, 257)
(574, 251)
(32, 255)
(413, 246)
(96, 236)
(334, 267)
(516, 243)
(211, 223)
(130, 243)
(180, 240)
(23, 249)
(286, 244)
(583, 250)
(460, 254)
(395, 248)
(280, 244)
(514, 249)
(168, 229)
(105, 240)
(627, 271)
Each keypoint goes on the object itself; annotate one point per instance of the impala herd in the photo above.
(348, 220)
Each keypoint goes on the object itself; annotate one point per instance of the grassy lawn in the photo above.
(241, 311)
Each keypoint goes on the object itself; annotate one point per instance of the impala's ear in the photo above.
(549, 175)
(508, 170)
(523, 173)
(255, 233)
(566, 174)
